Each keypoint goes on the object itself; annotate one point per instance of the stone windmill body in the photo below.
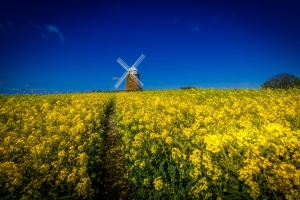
(131, 74)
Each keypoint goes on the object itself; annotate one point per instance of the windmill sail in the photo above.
(133, 79)
(138, 61)
(136, 79)
(123, 64)
(121, 79)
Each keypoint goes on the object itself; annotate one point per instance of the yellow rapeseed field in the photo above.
(212, 144)
(50, 145)
(178, 144)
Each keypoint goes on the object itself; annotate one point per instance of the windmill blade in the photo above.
(136, 80)
(138, 61)
(123, 64)
(121, 79)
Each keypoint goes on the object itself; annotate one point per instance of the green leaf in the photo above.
(156, 195)
(152, 157)
(161, 166)
(189, 185)
(173, 170)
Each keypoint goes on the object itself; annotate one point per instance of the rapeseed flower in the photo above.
(158, 183)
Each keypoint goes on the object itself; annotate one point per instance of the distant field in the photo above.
(195, 144)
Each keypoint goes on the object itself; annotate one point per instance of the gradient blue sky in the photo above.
(72, 46)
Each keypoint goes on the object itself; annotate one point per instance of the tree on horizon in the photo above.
(282, 81)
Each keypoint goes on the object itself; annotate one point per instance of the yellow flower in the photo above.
(133, 180)
(142, 164)
(164, 134)
(195, 157)
(201, 185)
(71, 178)
(168, 140)
(83, 158)
(154, 149)
(61, 154)
(158, 183)
(44, 168)
(146, 182)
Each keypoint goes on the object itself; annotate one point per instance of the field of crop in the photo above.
(220, 144)
(50, 145)
(193, 144)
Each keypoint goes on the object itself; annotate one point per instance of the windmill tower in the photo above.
(133, 79)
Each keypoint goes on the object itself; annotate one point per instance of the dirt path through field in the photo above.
(115, 186)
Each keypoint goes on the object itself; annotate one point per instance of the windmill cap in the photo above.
(133, 70)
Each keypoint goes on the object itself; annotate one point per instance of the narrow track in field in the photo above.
(114, 185)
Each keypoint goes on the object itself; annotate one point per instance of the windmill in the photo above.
(133, 79)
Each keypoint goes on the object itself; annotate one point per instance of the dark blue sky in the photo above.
(73, 45)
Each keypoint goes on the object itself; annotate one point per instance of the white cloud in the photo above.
(26, 85)
(53, 29)
(35, 26)
(43, 35)
(1, 83)
(194, 25)
(14, 89)
(114, 78)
